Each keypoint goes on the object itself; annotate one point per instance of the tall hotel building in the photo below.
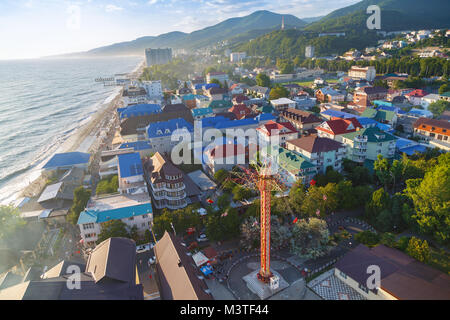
(158, 56)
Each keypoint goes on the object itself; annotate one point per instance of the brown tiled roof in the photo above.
(432, 122)
(215, 90)
(304, 116)
(177, 272)
(315, 144)
(401, 276)
(158, 167)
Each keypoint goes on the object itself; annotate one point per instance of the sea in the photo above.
(42, 103)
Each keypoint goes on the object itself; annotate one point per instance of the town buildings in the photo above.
(131, 179)
(133, 210)
(328, 94)
(366, 73)
(237, 56)
(154, 90)
(159, 134)
(283, 104)
(134, 95)
(368, 144)
(221, 76)
(273, 132)
(303, 121)
(166, 183)
(365, 95)
(321, 152)
(336, 128)
(432, 130)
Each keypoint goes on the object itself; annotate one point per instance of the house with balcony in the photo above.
(336, 128)
(166, 183)
(290, 165)
(283, 104)
(364, 96)
(134, 95)
(321, 152)
(433, 131)
(133, 210)
(367, 144)
(328, 94)
(301, 120)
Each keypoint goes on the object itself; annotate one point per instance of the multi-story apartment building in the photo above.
(134, 95)
(154, 89)
(432, 130)
(365, 95)
(221, 76)
(366, 73)
(328, 94)
(367, 144)
(166, 183)
(273, 132)
(321, 152)
(237, 56)
(159, 134)
(133, 210)
(301, 120)
(158, 56)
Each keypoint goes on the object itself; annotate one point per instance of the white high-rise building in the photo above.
(309, 51)
(237, 56)
(154, 89)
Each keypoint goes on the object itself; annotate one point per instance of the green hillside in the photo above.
(395, 15)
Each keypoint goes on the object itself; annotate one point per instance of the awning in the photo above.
(206, 270)
(199, 259)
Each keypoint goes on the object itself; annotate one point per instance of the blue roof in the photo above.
(137, 146)
(67, 160)
(403, 143)
(383, 127)
(139, 110)
(393, 109)
(201, 111)
(130, 165)
(413, 149)
(166, 128)
(93, 216)
(210, 85)
(364, 121)
(338, 114)
(265, 117)
(211, 122)
(383, 103)
(421, 113)
(199, 86)
(236, 123)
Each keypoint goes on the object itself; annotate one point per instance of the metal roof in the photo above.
(51, 192)
(67, 160)
(130, 165)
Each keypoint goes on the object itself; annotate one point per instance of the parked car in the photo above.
(151, 261)
(144, 247)
(202, 238)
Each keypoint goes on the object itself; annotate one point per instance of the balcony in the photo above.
(155, 189)
(361, 139)
(169, 198)
(359, 153)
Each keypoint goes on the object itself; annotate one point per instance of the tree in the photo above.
(215, 81)
(113, 228)
(444, 88)
(263, 80)
(223, 225)
(321, 200)
(81, 198)
(310, 238)
(278, 92)
(431, 200)
(382, 171)
(388, 239)
(224, 201)
(108, 185)
(367, 238)
(418, 249)
(438, 107)
(220, 176)
(250, 233)
(380, 202)
(10, 221)
(240, 193)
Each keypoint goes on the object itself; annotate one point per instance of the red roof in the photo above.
(227, 150)
(240, 110)
(340, 126)
(417, 93)
(272, 126)
(239, 98)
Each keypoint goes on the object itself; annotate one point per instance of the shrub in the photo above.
(368, 238)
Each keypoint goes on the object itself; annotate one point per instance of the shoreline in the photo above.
(88, 138)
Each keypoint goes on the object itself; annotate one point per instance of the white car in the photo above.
(202, 237)
(151, 261)
(144, 247)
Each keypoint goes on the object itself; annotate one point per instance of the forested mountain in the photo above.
(243, 28)
(395, 15)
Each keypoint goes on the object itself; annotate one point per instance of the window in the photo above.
(343, 275)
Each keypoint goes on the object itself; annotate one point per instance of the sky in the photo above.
(37, 28)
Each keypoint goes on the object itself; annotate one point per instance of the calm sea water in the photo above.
(42, 103)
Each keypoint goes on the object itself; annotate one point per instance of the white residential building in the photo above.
(367, 73)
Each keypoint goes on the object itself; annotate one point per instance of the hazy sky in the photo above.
(35, 28)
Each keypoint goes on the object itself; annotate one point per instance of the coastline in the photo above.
(88, 138)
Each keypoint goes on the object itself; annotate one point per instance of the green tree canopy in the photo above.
(310, 238)
(81, 198)
(113, 228)
(263, 80)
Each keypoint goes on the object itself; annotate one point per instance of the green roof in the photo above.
(266, 109)
(291, 161)
(219, 104)
(369, 113)
(383, 115)
(446, 94)
(372, 134)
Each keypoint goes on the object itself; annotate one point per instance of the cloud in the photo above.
(112, 8)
